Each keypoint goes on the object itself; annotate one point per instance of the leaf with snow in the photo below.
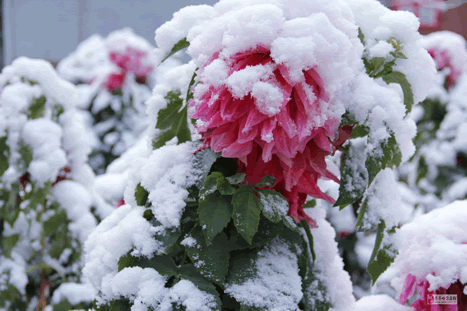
(236, 179)
(386, 154)
(224, 186)
(273, 204)
(209, 185)
(215, 212)
(266, 278)
(267, 231)
(180, 45)
(400, 78)
(246, 212)
(354, 176)
(37, 108)
(9, 242)
(4, 154)
(141, 195)
(267, 180)
(383, 254)
(162, 264)
(210, 261)
(172, 121)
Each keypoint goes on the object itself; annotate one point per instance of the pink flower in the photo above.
(442, 60)
(425, 301)
(285, 142)
(115, 81)
(132, 61)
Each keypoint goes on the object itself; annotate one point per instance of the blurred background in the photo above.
(51, 29)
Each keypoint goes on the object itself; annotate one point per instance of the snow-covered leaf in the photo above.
(211, 261)
(180, 45)
(266, 181)
(273, 204)
(387, 154)
(215, 212)
(400, 78)
(383, 254)
(246, 212)
(236, 179)
(172, 121)
(141, 195)
(354, 176)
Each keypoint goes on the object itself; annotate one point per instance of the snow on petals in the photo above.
(274, 105)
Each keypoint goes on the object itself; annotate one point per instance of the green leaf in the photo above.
(202, 163)
(267, 231)
(246, 212)
(266, 181)
(360, 131)
(4, 154)
(51, 225)
(189, 93)
(141, 195)
(162, 264)
(381, 258)
(290, 223)
(401, 79)
(215, 213)
(211, 261)
(273, 204)
(63, 305)
(9, 242)
(387, 154)
(180, 45)
(354, 175)
(37, 108)
(361, 213)
(305, 226)
(361, 36)
(168, 237)
(189, 272)
(398, 54)
(236, 179)
(26, 156)
(348, 119)
(310, 204)
(224, 186)
(210, 185)
(376, 63)
(172, 121)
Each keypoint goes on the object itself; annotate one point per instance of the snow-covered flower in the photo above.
(449, 50)
(272, 129)
(433, 258)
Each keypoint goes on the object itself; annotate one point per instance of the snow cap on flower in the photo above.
(270, 93)
(433, 255)
(449, 50)
(130, 52)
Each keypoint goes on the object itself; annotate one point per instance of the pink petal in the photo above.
(408, 289)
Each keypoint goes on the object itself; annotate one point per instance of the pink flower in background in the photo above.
(425, 300)
(442, 60)
(273, 130)
(132, 61)
(115, 81)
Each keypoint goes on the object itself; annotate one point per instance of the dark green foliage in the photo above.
(172, 121)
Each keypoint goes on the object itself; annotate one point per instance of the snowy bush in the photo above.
(45, 190)
(114, 76)
(436, 174)
(239, 141)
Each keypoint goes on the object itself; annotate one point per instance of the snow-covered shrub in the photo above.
(435, 173)
(433, 258)
(45, 190)
(115, 76)
(214, 216)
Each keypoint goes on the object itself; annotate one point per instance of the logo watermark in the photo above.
(439, 299)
